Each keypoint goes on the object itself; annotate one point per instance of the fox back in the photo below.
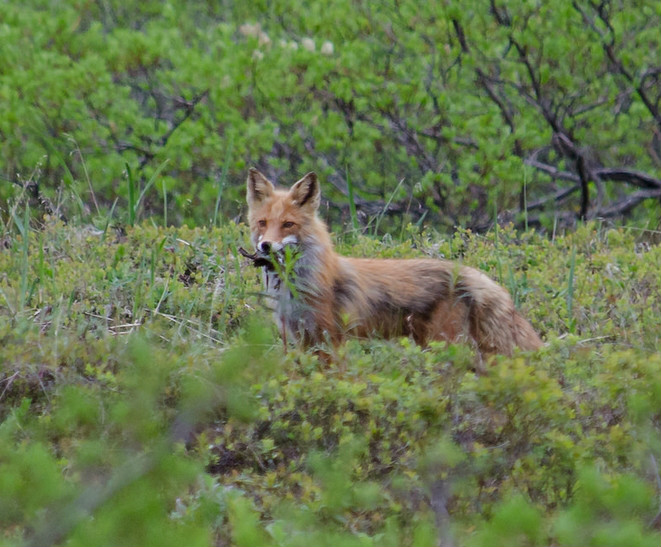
(326, 297)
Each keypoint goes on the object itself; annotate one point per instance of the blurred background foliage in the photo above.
(453, 112)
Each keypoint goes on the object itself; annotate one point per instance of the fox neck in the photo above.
(315, 268)
(295, 300)
(317, 258)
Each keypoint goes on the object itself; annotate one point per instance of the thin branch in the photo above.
(335, 178)
(614, 174)
(609, 48)
(461, 35)
(559, 196)
(408, 137)
(504, 111)
(626, 205)
(189, 108)
(554, 172)
(630, 176)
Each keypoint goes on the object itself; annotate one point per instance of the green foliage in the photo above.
(142, 400)
(438, 112)
(515, 522)
(137, 387)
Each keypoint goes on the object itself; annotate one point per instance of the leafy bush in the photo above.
(460, 114)
(142, 403)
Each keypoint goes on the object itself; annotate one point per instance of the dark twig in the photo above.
(627, 204)
(258, 261)
(608, 45)
(555, 198)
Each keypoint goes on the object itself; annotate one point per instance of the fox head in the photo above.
(282, 217)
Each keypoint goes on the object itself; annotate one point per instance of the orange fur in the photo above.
(332, 296)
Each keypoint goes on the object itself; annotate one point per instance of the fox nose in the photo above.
(265, 247)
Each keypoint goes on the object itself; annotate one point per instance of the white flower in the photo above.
(257, 55)
(327, 48)
(249, 29)
(308, 44)
(264, 39)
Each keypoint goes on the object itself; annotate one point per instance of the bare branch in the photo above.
(461, 36)
(615, 174)
(554, 172)
(636, 178)
(609, 48)
(626, 205)
(189, 108)
(556, 198)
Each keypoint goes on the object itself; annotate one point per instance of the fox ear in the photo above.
(306, 192)
(259, 187)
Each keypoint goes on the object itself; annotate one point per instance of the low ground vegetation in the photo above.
(145, 399)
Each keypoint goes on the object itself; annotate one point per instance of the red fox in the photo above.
(330, 297)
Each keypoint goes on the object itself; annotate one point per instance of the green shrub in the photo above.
(139, 384)
(453, 113)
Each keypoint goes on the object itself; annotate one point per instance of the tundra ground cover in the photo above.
(146, 399)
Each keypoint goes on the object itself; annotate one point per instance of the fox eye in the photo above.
(262, 223)
(287, 224)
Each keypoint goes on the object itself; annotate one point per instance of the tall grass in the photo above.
(222, 180)
(384, 210)
(352, 202)
(134, 200)
(571, 321)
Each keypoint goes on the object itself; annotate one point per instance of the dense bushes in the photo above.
(455, 113)
(140, 402)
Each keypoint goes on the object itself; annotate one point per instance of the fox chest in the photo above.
(275, 290)
(288, 311)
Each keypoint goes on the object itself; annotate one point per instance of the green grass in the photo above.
(145, 399)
